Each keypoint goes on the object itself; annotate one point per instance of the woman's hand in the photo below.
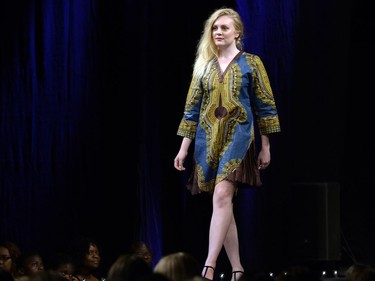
(264, 156)
(181, 156)
(264, 159)
(179, 160)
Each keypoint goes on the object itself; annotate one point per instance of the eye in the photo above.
(37, 264)
(5, 258)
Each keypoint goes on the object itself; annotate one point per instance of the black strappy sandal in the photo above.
(234, 274)
(205, 270)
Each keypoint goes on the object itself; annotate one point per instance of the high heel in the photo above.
(205, 270)
(234, 275)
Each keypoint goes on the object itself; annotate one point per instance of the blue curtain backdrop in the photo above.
(92, 93)
(75, 125)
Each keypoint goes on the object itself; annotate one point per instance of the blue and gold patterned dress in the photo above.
(219, 114)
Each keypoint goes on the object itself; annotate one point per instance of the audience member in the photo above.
(28, 264)
(9, 252)
(63, 264)
(178, 266)
(129, 267)
(360, 272)
(141, 249)
(86, 254)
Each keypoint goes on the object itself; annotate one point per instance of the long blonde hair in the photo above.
(206, 48)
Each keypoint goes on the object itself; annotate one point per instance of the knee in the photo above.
(223, 195)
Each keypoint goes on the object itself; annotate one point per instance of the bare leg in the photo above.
(232, 248)
(221, 219)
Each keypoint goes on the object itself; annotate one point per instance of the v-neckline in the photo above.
(222, 73)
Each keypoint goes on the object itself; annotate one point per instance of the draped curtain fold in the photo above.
(72, 145)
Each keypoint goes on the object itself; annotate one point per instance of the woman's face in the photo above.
(223, 32)
(33, 265)
(5, 260)
(66, 270)
(92, 259)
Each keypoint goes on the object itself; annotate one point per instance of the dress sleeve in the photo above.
(264, 103)
(189, 121)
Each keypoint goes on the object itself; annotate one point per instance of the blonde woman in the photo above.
(228, 93)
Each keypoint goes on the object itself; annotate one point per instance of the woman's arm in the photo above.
(181, 156)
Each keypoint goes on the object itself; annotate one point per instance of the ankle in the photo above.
(234, 269)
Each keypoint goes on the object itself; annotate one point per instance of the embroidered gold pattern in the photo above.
(221, 111)
(263, 88)
(187, 129)
(220, 129)
(203, 185)
(269, 124)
